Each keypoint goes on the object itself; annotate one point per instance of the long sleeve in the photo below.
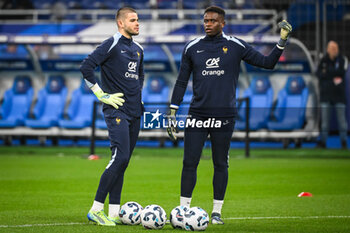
(96, 58)
(182, 80)
(254, 57)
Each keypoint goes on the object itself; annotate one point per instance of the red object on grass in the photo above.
(93, 157)
(305, 194)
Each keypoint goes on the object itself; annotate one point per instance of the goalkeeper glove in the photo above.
(172, 128)
(115, 100)
(286, 29)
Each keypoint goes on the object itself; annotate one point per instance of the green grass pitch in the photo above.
(51, 189)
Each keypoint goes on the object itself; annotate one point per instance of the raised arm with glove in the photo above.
(286, 29)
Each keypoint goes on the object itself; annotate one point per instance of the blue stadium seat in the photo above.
(238, 94)
(137, 4)
(17, 101)
(291, 105)
(154, 53)
(80, 108)
(156, 91)
(51, 101)
(194, 4)
(260, 93)
(167, 4)
(156, 96)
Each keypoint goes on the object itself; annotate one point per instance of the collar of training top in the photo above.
(127, 40)
(216, 37)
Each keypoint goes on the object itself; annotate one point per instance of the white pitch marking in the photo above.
(43, 225)
(229, 218)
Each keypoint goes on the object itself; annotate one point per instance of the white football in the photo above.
(177, 217)
(130, 213)
(196, 219)
(153, 217)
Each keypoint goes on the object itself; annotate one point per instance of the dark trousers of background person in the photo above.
(326, 110)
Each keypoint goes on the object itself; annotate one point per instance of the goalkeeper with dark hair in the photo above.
(121, 62)
(214, 60)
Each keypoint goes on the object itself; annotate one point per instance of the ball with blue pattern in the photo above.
(130, 213)
(177, 217)
(153, 217)
(196, 219)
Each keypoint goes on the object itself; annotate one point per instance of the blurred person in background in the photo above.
(59, 11)
(331, 76)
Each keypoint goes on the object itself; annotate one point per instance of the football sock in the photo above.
(217, 205)
(185, 201)
(113, 210)
(97, 206)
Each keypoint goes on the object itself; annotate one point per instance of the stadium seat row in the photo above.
(49, 109)
(287, 113)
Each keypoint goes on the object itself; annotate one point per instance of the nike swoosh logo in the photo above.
(200, 51)
(123, 51)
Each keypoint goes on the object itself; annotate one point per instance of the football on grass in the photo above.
(153, 217)
(196, 219)
(130, 213)
(177, 217)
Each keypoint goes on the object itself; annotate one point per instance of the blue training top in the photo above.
(121, 62)
(215, 64)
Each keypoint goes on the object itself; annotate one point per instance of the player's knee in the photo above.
(189, 165)
(123, 162)
(222, 167)
(119, 164)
